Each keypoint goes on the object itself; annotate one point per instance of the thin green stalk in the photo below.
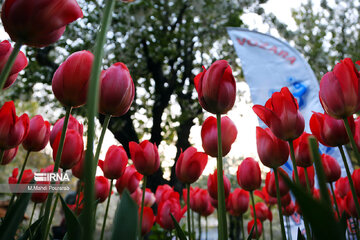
(106, 211)
(2, 151)
(78, 197)
(283, 234)
(206, 228)
(306, 223)
(142, 205)
(92, 106)
(31, 218)
(307, 180)
(254, 211)
(44, 223)
(192, 224)
(352, 140)
(52, 214)
(199, 225)
(351, 183)
(336, 205)
(271, 231)
(19, 179)
(9, 63)
(242, 226)
(188, 210)
(101, 139)
(292, 156)
(263, 233)
(222, 234)
(42, 209)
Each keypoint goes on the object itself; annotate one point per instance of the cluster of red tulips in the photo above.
(79, 81)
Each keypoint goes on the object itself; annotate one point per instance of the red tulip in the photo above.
(166, 207)
(302, 177)
(147, 220)
(129, 180)
(71, 79)
(264, 195)
(216, 88)
(356, 180)
(149, 198)
(302, 151)
(115, 162)
(137, 196)
(271, 186)
(72, 150)
(281, 114)
(286, 199)
(78, 169)
(209, 135)
(350, 204)
(190, 165)
(249, 174)
(165, 192)
(209, 209)
(102, 188)
(273, 152)
(13, 129)
(289, 209)
(339, 90)
(117, 90)
(201, 200)
(357, 132)
(261, 210)
(342, 186)
(38, 136)
(26, 178)
(19, 64)
(331, 168)
(39, 197)
(38, 23)
(239, 201)
(212, 185)
(9, 155)
(259, 228)
(79, 200)
(73, 124)
(329, 131)
(145, 157)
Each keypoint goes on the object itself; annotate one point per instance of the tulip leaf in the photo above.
(319, 215)
(32, 229)
(179, 232)
(251, 232)
(300, 236)
(72, 224)
(14, 217)
(125, 225)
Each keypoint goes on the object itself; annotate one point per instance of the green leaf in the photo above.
(72, 224)
(31, 229)
(319, 215)
(126, 219)
(14, 217)
(251, 232)
(300, 236)
(179, 232)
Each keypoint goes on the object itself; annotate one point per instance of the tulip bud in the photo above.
(329, 131)
(71, 79)
(331, 168)
(212, 185)
(147, 220)
(339, 90)
(163, 192)
(102, 188)
(26, 178)
(216, 88)
(350, 205)
(190, 165)
(289, 209)
(239, 201)
(209, 135)
(115, 162)
(281, 114)
(261, 211)
(259, 228)
(166, 207)
(38, 136)
(38, 23)
(117, 90)
(201, 200)
(356, 180)
(286, 199)
(302, 176)
(273, 152)
(13, 129)
(145, 157)
(9, 155)
(19, 64)
(72, 124)
(249, 175)
(271, 185)
(78, 169)
(342, 186)
(129, 180)
(302, 151)
(149, 198)
(72, 150)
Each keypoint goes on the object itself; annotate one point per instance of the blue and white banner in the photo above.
(270, 64)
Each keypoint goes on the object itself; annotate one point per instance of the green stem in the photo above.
(101, 139)
(9, 63)
(292, 156)
(2, 152)
(351, 183)
(254, 211)
(142, 205)
(42, 209)
(352, 140)
(31, 218)
(242, 226)
(283, 234)
(263, 232)
(44, 223)
(206, 228)
(336, 205)
(188, 210)
(192, 224)
(92, 106)
(106, 211)
(271, 231)
(222, 234)
(199, 225)
(52, 214)
(307, 180)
